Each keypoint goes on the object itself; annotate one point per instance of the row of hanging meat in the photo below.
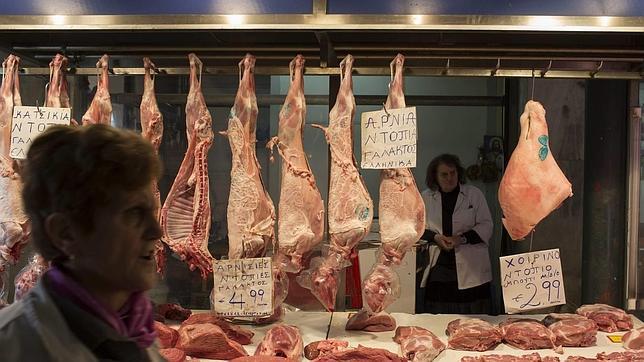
(532, 186)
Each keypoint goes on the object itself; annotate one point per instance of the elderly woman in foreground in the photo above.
(87, 191)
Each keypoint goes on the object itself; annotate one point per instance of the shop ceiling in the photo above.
(520, 46)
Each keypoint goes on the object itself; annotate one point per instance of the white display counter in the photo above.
(313, 326)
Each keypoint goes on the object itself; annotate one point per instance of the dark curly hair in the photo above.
(446, 159)
(77, 169)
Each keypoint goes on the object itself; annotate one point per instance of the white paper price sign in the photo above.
(29, 122)
(388, 138)
(243, 287)
(532, 281)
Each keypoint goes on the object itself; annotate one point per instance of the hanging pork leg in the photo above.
(533, 185)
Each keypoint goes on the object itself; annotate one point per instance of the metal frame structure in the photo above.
(430, 59)
(320, 20)
(433, 58)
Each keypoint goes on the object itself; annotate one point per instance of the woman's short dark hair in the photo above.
(446, 159)
(78, 169)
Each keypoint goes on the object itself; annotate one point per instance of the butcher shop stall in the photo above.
(297, 200)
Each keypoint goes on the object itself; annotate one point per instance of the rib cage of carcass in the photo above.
(14, 224)
(301, 210)
(250, 214)
(152, 130)
(185, 215)
(401, 215)
(350, 209)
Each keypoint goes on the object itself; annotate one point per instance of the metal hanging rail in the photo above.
(542, 72)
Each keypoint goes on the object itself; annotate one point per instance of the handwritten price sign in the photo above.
(388, 138)
(532, 281)
(29, 122)
(243, 287)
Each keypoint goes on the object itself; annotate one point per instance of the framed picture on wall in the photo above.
(493, 144)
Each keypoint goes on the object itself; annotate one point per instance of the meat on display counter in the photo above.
(313, 327)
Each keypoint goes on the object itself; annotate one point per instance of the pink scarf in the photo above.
(135, 320)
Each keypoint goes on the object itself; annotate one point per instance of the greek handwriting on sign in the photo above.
(388, 138)
(29, 122)
(243, 287)
(532, 280)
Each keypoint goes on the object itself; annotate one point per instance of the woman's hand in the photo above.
(455, 241)
(443, 242)
(448, 242)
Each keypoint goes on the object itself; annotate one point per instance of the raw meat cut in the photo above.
(634, 339)
(185, 215)
(368, 321)
(381, 286)
(172, 311)
(152, 130)
(473, 334)
(173, 354)
(361, 354)
(418, 344)
(29, 275)
(621, 356)
(167, 336)
(100, 110)
(282, 341)
(614, 357)
(401, 215)
(350, 209)
(58, 89)
(207, 340)
(251, 214)
(528, 334)
(317, 348)
(300, 225)
(532, 357)
(608, 318)
(572, 330)
(236, 333)
(533, 185)
(261, 359)
(14, 224)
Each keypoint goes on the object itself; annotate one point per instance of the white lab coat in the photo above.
(471, 212)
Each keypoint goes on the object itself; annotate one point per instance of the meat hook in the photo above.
(498, 66)
(241, 65)
(384, 107)
(46, 91)
(532, 94)
(543, 72)
(446, 70)
(599, 67)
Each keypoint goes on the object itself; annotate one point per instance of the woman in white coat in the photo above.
(458, 227)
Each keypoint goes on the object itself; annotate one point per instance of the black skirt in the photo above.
(445, 297)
